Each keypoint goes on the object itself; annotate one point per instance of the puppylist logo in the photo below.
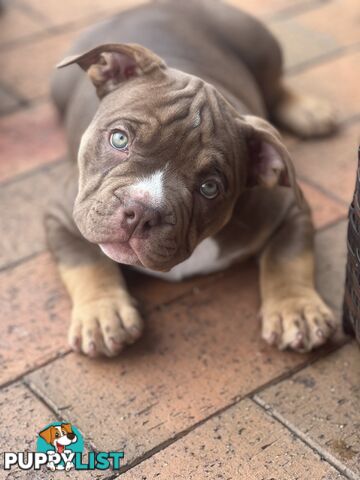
(60, 446)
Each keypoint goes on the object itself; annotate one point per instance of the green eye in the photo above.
(209, 189)
(119, 140)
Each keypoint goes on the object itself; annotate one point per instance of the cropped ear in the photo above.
(269, 161)
(109, 65)
(48, 434)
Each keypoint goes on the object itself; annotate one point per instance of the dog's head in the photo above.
(59, 436)
(165, 158)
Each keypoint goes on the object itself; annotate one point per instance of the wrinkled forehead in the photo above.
(179, 109)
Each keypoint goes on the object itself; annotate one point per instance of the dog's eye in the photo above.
(119, 140)
(57, 434)
(209, 189)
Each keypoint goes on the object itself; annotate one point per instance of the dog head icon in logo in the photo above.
(60, 441)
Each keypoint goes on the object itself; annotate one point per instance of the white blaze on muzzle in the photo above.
(149, 190)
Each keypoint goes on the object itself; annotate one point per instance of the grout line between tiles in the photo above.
(53, 410)
(179, 435)
(314, 446)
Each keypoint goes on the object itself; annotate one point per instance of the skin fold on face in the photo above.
(159, 170)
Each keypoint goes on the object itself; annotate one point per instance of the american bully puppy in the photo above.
(179, 172)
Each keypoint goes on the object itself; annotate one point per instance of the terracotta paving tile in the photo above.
(38, 57)
(25, 415)
(320, 80)
(22, 417)
(324, 209)
(8, 101)
(197, 356)
(322, 403)
(29, 138)
(23, 205)
(152, 292)
(58, 13)
(16, 24)
(268, 7)
(314, 33)
(331, 255)
(301, 43)
(243, 443)
(35, 312)
(346, 28)
(330, 163)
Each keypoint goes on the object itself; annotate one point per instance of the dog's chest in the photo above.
(206, 258)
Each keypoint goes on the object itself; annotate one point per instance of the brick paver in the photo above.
(60, 13)
(35, 311)
(26, 24)
(331, 254)
(30, 138)
(243, 444)
(322, 403)
(335, 80)
(337, 19)
(26, 416)
(8, 102)
(314, 33)
(202, 351)
(24, 203)
(324, 210)
(38, 57)
(330, 163)
(270, 8)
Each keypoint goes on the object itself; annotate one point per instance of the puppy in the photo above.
(59, 437)
(179, 172)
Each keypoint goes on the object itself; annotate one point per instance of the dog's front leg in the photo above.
(104, 316)
(293, 314)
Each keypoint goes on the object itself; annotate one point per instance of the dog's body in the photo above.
(196, 119)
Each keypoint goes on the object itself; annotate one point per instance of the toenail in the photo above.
(273, 338)
(92, 348)
(115, 344)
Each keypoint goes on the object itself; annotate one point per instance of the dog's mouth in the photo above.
(137, 253)
(120, 252)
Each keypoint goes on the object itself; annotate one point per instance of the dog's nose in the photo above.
(71, 436)
(138, 219)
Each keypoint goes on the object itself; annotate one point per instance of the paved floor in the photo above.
(201, 396)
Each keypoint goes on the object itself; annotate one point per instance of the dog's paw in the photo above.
(306, 116)
(51, 466)
(104, 326)
(299, 323)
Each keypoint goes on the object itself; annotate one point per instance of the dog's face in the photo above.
(165, 159)
(59, 436)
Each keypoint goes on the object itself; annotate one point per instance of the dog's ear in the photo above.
(109, 65)
(48, 434)
(67, 427)
(269, 161)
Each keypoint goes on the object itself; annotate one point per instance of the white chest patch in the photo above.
(206, 258)
(149, 188)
